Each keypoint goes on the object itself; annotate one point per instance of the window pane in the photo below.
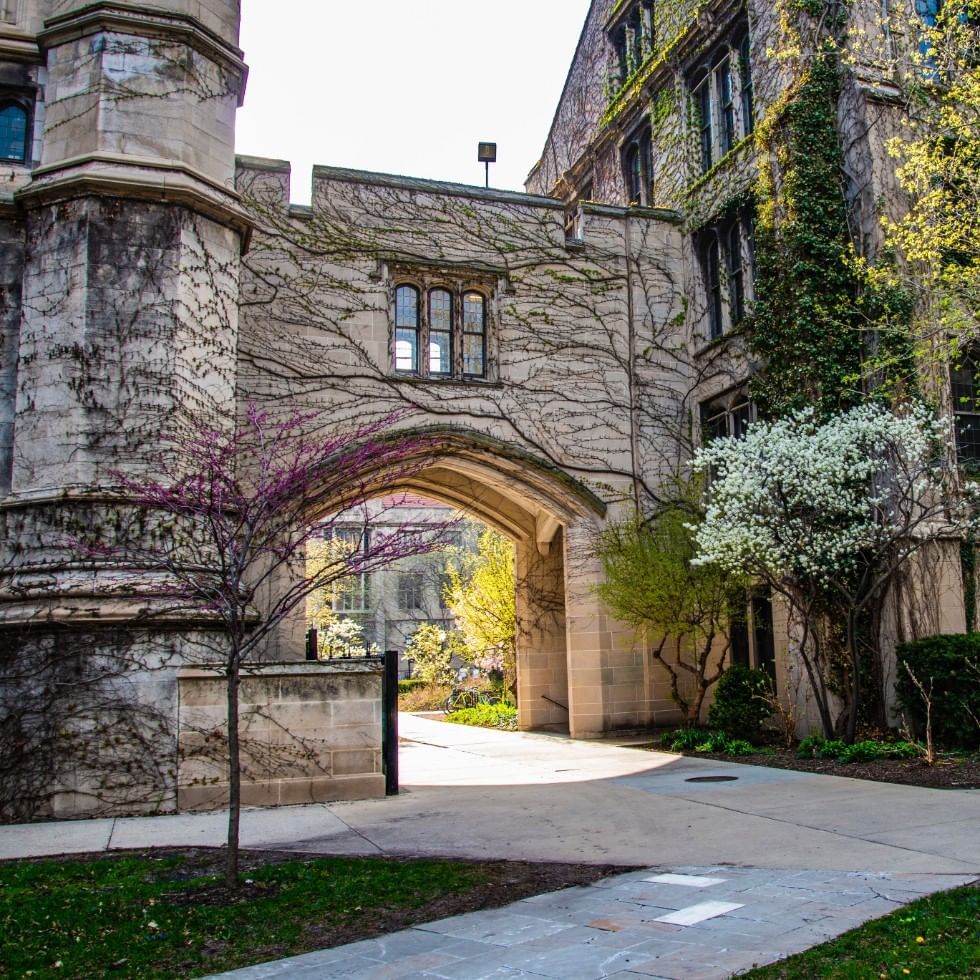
(440, 310)
(407, 306)
(713, 285)
(473, 355)
(736, 285)
(966, 411)
(440, 353)
(13, 134)
(474, 307)
(745, 71)
(704, 111)
(406, 350)
(723, 76)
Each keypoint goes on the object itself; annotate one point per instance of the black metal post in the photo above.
(389, 734)
(312, 645)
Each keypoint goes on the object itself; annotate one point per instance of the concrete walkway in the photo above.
(475, 793)
(814, 855)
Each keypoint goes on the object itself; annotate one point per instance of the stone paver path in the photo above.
(690, 923)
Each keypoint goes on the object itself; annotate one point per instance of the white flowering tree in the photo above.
(827, 514)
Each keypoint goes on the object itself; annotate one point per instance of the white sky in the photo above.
(404, 86)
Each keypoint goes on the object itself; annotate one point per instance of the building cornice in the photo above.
(133, 177)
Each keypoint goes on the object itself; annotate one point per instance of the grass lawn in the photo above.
(158, 914)
(930, 939)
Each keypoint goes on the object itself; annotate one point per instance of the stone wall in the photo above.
(311, 733)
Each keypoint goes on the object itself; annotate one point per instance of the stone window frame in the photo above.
(459, 286)
(9, 11)
(725, 250)
(721, 94)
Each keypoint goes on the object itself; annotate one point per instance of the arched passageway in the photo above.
(566, 665)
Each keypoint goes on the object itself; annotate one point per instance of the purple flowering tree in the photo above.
(225, 530)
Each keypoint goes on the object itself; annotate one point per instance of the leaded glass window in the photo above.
(440, 332)
(407, 329)
(474, 335)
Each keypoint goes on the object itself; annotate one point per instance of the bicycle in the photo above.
(468, 697)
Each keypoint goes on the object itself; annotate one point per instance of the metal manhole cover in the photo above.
(711, 779)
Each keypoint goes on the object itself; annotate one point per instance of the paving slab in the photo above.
(729, 926)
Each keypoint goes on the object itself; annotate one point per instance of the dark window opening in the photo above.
(965, 382)
(712, 282)
(410, 592)
(722, 99)
(638, 166)
(13, 133)
(745, 78)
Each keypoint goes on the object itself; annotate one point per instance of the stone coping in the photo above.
(359, 665)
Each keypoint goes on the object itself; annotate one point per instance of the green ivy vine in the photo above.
(829, 329)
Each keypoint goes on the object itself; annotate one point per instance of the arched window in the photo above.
(474, 335)
(13, 133)
(406, 329)
(440, 332)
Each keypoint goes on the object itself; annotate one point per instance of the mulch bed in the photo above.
(955, 773)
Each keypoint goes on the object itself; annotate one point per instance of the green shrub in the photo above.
(740, 705)
(901, 750)
(410, 684)
(738, 746)
(818, 747)
(715, 742)
(700, 740)
(865, 751)
(684, 739)
(831, 749)
(810, 747)
(951, 666)
(486, 716)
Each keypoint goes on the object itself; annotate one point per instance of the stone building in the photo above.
(570, 345)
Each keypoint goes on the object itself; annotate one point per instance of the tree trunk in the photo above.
(234, 777)
(852, 649)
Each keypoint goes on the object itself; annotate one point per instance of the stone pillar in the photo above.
(542, 671)
(608, 683)
(129, 325)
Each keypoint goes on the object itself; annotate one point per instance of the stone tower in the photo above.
(120, 237)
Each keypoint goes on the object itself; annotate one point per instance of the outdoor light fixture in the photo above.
(487, 154)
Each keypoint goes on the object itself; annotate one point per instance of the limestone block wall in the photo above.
(311, 733)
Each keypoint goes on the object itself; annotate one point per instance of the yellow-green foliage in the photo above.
(481, 595)
(939, 166)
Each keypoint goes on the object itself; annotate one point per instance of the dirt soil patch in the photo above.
(949, 773)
